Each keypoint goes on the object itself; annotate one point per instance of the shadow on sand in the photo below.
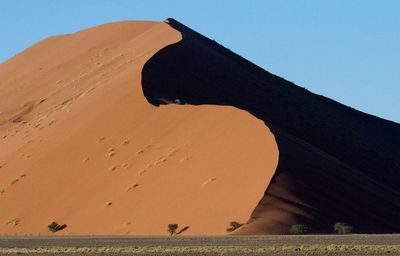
(335, 164)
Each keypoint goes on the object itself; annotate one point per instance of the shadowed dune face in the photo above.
(80, 145)
(335, 163)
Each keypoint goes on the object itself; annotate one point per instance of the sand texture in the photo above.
(127, 127)
(80, 144)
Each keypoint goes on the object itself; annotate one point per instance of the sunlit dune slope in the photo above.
(80, 144)
(128, 127)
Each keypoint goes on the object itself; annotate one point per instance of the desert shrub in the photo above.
(13, 222)
(233, 225)
(298, 229)
(172, 229)
(54, 227)
(342, 228)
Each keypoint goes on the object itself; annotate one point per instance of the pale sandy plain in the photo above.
(347, 245)
(80, 144)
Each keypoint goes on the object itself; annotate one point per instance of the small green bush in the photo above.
(342, 228)
(172, 229)
(298, 229)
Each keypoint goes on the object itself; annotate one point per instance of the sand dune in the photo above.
(335, 163)
(81, 145)
(128, 127)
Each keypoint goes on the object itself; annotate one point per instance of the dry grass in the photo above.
(13, 222)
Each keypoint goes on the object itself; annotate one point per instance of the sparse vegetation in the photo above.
(13, 222)
(172, 229)
(212, 179)
(111, 152)
(140, 152)
(298, 229)
(316, 249)
(233, 225)
(54, 227)
(14, 181)
(342, 228)
(132, 186)
(126, 142)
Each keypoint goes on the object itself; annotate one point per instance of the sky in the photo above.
(347, 50)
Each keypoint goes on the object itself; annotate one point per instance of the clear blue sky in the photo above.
(348, 50)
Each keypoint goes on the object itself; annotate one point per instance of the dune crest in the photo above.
(80, 145)
(336, 164)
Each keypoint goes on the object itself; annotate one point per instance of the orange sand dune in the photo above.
(336, 164)
(80, 144)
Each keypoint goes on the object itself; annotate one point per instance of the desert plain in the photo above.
(347, 245)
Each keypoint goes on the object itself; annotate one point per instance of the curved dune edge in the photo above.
(80, 145)
(325, 162)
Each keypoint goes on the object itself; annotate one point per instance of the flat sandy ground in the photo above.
(233, 245)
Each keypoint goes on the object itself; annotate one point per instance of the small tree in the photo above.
(298, 229)
(54, 227)
(342, 228)
(233, 225)
(172, 228)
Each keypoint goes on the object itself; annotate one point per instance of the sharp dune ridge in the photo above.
(221, 140)
(335, 163)
(80, 144)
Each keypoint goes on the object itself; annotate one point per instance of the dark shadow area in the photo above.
(335, 163)
(183, 230)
